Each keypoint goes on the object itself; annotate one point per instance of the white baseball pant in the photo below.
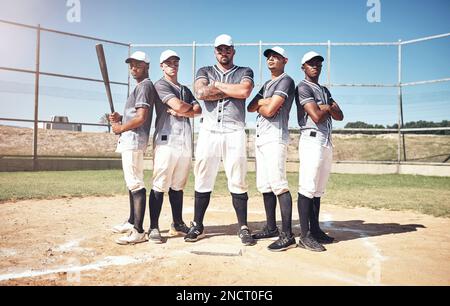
(211, 148)
(133, 169)
(171, 165)
(271, 168)
(315, 166)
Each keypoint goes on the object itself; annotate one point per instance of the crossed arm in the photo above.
(179, 108)
(218, 90)
(268, 107)
(320, 113)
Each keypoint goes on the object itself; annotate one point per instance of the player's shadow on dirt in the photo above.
(356, 229)
(341, 230)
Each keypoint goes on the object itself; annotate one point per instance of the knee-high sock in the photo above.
(304, 205)
(201, 204)
(139, 203)
(240, 206)
(176, 202)
(270, 205)
(285, 200)
(314, 216)
(131, 218)
(155, 202)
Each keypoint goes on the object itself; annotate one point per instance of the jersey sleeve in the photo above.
(165, 91)
(202, 73)
(145, 95)
(247, 75)
(285, 88)
(304, 95)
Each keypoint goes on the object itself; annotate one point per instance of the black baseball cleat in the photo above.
(246, 237)
(266, 233)
(285, 242)
(178, 229)
(323, 238)
(195, 233)
(308, 242)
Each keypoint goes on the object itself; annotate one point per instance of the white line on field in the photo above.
(106, 262)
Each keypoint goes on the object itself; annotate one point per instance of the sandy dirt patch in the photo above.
(69, 242)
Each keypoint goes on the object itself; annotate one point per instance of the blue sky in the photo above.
(185, 21)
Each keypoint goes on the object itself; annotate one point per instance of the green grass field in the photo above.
(428, 195)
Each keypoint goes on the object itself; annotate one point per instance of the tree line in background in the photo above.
(408, 125)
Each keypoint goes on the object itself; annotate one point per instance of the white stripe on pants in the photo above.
(211, 148)
(271, 168)
(315, 166)
(133, 169)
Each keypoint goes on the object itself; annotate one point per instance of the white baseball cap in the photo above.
(223, 39)
(139, 56)
(276, 49)
(165, 55)
(310, 55)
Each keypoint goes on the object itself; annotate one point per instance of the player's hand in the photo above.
(324, 107)
(173, 113)
(114, 117)
(117, 128)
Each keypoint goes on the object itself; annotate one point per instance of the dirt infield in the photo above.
(69, 242)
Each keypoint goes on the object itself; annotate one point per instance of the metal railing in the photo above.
(194, 45)
(37, 72)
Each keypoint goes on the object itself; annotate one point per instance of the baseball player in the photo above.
(273, 104)
(315, 111)
(172, 145)
(134, 129)
(223, 89)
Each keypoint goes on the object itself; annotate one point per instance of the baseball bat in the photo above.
(104, 70)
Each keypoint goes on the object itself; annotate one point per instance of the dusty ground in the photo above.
(69, 242)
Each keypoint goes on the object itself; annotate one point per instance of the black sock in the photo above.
(176, 202)
(200, 206)
(314, 216)
(155, 202)
(139, 203)
(285, 200)
(304, 205)
(270, 205)
(240, 206)
(131, 218)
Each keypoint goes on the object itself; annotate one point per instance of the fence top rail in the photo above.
(64, 33)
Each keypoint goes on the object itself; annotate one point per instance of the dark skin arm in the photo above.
(320, 113)
(137, 121)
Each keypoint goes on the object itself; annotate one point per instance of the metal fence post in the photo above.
(128, 70)
(401, 136)
(194, 63)
(260, 63)
(329, 63)
(36, 99)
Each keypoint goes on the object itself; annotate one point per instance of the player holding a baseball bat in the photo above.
(134, 129)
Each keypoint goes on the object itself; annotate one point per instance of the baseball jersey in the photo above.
(143, 96)
(225, 115)
(168, 126)
(308, 92)
(275, 129)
